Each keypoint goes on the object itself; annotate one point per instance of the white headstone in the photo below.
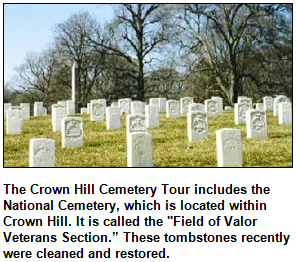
(25, 111)
(228, 108)
(185, 102)
(97, 111)
(72, 132)
(135, 123)
(285, 113)
(152, 116)
(211, 108)
(88, 108)
(139, 150)
(7, 106)
(196, 107)
(219, 101)
(256, 124)
(83, 111)
(197, 126)
(103, 102)
(240, 110)
(162, 104)
(70, 105)
(229, 147)
(268, 103)
(124, 105)
(154, 102)
(137, 107)
(38, 109)
(114, 104)
(172, 109)
(42, 153)
(58, 113)
(13, 121)
(113, 118)
(276, 101)
(260, 106)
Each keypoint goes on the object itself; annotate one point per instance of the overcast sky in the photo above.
(29, 28)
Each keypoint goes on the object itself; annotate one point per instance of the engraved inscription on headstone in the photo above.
(172, 109)
(72, 132)
(219, 101)
(256, 124)
(211, 108)
(124, 105)
(196, 107)
(42, 153)
(240, 110)
(185, 103)
(96, 111)
(135, 123)
(197, 126)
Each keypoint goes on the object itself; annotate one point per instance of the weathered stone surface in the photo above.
(172, 109)
(113, 118)
(97, 111)
(185, 102)
(72, 132)
(197, 126)
(137, 107)
(70, 105)
(285, 113)
(196, 107)
(38, 109)
(139, 150)
(58, 113)
(124, 105)
(211, 108)
(219, 101)
(14, 121)
(260, 106)
(229, 147)
(152, 116)
(162, 104)
(42, 153)
(25, 107)
(268, 103)
(276, 101)
(240, 110)
(256, 124)
(7, 106)
(135, 123)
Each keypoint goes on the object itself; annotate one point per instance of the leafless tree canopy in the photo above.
(171, 50)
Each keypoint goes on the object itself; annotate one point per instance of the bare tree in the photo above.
(135, 35)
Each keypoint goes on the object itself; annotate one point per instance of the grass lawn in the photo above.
(170, 145)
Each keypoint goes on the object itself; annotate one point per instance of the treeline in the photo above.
(164, 50)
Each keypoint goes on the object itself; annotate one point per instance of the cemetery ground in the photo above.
(171, 148)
